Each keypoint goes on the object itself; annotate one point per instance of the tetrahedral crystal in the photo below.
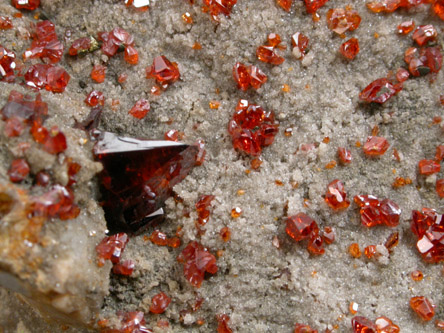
(138, 176)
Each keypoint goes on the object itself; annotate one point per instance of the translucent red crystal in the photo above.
(424, 34)
(138, 177)
(267, 54)
(124, 268)
(285, 4)
(217, 7)
(402, 75)
(222, 324)
(428, 226)
(7, 65)
(379, 91)
(252, 128)
(171, 135)
(116, 40)
(350, 48)
(303, 328)
(336, 197)
(26, 4)
(95, 98)
(98, 73)
(130, 322)
(57, 202)
(203, 208)
(385, 325)
(55, 142)
(131, 55)
(312, 6)
(225, 233)
(47, 76)
(45, 43)
(375, 146)
(363, 325)
(246, 76)
(18, 170)
(300, 41)
(112, 247)
(428, 167)
(374, 211)
(344, 155)
(301, 226)
(438, 8)
(424, 60)
(341, 20)
(423, 307)
(83, 45)
(406, 27)
(159, 303)
(196, 261)
(164, 71)
(5, 23)
(439, 155)
(140, 109)
(14, 126)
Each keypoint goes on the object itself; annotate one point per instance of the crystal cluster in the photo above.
(341, 20)
(350, 48)
(47, 76)
(267, 53)
(336, 197)
(374, 211)
(252, 128)
(159, 303)
(428, 227)
(197, 261)
(45, 44)
(118, 39)
(299, 43)
(217, 7)
(83, 45)
(163, 71)
(8, 65)
(312, 6)
(382, 324)
(161, 239)
(246, 76)
(379, 91)
(285, 4)
(111, 248)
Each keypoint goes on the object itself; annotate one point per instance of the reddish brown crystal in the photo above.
(222, 324)
(164, 71)
(196, 261)
(5, 23)
(124, 268)
(55, 142)
(285, 4)
(112, 247)
(95, 98)
(57, 202)
(159, 303)
(344, 155)
(336, 197)
(428, 228)
(98, 73)
(363, 325)
(217, 7)
(313, 5)
(7, 65)
(423, 307)
(45, 44)
(26, 4)
(18, 170)
(301, 226)
(267, 54)
(138, 177)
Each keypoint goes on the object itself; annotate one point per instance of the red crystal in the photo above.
(341, 20)
(350, 48)
(285, 4)
(98, 73)
(159, 303)
(379, 91)
(424, 34)
(217, 7)
(57, 202)
(5, 23)
(375, 146)
(312, 6)
(246, 76)
(363, 325)
(18, 170)
(200, 156)
(196, 261)
(222, 324)
(302, 328)
(439, 155)
(131, 322)
(112, 247)
(301, 226)
(424, 60)
(47, 76)
(45, 44)
(80, 46)
(423, 307)
(140, 109)
(13, 127)
(385, 325)
(406, 27)
(336, 197)
(316, 244)
(402, 75)
(171, 135)
(25, 4)
(428, 167)
(42, 178)
(95, 98)
(164, 71)
(203, 208)
(252, 128)
(428, 227)
(7, 64)
(115, 40)
(440, 187)
(55, 142)
(438, 8)
(301, 42)
(124, 268)
(138, 177)
(344, 155)
(374, 212)
(131, 55)
(267, 54)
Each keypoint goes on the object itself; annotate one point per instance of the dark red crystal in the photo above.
(25, 4)
(138, 177)
(7, 65)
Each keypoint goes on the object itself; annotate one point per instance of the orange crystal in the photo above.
(302, 328)
(267, 54)
(124, 268)
(350, 48)
(424, 34)
(341, 20)
(344, 155)
(379, 91)
(385, 325)
(140, 109)
(370, 251)
(159, 303)
(18, 170)
(98, 73)
(439, 155)
(313, 5)
(225, 233)
(417, 275)
(440, 187)
(131, 55)
(375, 146)
(423, 307)
(406, 27)
(300, 41)
(428, 167)
(336, 197)
(354, 250)
(328, 235)
(285, 4)
(438, 8)
(222, 324)
(301, 226)
(163, 70)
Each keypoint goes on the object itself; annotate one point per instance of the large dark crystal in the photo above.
(138, 176)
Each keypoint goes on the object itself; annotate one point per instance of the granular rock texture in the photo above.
(265, 282)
